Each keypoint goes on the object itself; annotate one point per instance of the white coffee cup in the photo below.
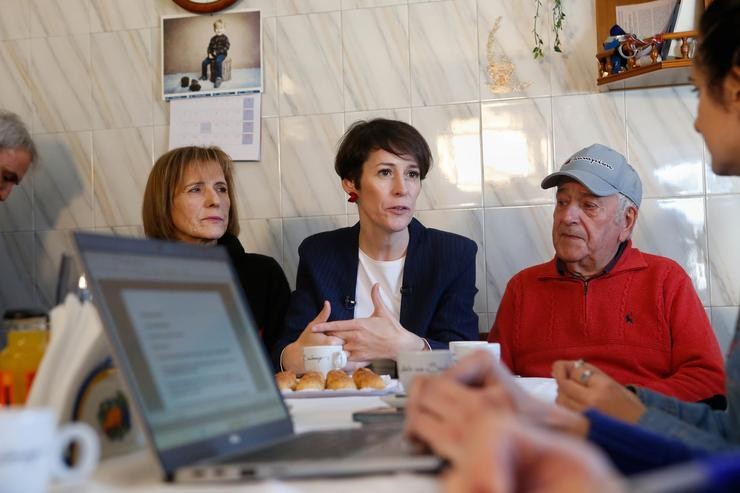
(323, 359)
(460, 349)
(31, 449)
(413, 363)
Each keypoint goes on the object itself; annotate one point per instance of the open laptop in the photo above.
(186, 345)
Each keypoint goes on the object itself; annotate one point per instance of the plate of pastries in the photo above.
(338, 383)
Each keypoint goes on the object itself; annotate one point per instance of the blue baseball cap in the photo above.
(602, 170)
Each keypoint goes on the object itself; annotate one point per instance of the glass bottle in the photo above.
(26, 342)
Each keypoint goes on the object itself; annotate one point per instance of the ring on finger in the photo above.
(579, 363)
(583, 378)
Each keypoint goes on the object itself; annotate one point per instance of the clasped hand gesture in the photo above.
(378, 336)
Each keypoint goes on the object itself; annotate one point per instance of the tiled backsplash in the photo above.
(84, 74)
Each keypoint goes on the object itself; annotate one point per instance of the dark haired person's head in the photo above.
(717, 78)
(381, 163)
(718, 53)
(364, 137)
(189, 196)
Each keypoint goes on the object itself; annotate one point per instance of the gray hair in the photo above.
(622, 206)
(14, 135)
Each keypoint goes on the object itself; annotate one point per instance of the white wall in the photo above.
(84, 75)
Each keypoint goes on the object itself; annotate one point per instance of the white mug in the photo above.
(323, 359)
(460, 349)
(412, 363)
(31, 449)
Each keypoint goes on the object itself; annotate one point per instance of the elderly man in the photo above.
(634, 315)
(17, 152)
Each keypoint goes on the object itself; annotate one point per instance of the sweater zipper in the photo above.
(585, 302)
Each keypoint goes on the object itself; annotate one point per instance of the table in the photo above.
(139, 471)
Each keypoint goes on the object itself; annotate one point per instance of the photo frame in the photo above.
(206, 55)
(204, 6)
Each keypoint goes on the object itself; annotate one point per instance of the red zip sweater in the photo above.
(641, 322)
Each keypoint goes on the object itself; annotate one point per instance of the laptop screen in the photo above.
(191, 349)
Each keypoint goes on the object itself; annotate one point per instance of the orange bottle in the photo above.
(18, 363)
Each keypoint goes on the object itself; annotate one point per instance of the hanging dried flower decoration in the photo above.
(500, 71)
(558, 20)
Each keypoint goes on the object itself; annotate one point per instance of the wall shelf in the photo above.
(671, 72)
(668, 73)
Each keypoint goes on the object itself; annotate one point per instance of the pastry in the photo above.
(286, 380)
(310, 381)
(338, 380)
(365, 378)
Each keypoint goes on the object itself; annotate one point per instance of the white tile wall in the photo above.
(122, 64)
(469, 223)
(122, 159)
(667, 166)
(62, 181)
(14, 23)
(443, 52)
(310, 64)
(453, 134)
(724, 245)
(84, 74)
(724, 319)
(516, 136)
(676, 228)
(15, 57)
(17, 265)
(61, 83)
(376, 58)
(310, 186)
(59, 17)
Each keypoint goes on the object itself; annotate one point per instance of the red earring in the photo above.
(352, 198)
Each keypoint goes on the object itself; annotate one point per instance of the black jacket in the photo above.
(219, 45)
(436, 297)
(265, 286)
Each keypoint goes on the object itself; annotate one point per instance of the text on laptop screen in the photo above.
(192, 347)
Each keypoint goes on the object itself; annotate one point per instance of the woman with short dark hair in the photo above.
(388, 284)
(190, 197)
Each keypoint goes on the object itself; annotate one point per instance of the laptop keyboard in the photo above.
(325, 444)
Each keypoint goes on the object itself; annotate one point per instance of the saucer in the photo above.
(395, 400)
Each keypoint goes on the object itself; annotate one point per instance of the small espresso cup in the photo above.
(413, 363)
(460, 349)
(32, 448)
(323, 359)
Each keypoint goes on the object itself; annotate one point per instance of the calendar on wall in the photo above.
(230, 122)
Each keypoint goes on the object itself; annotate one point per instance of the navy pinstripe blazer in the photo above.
(437, 293)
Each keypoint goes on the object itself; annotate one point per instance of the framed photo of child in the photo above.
(211, 54)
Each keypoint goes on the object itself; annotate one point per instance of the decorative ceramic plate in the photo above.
(102, 403)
